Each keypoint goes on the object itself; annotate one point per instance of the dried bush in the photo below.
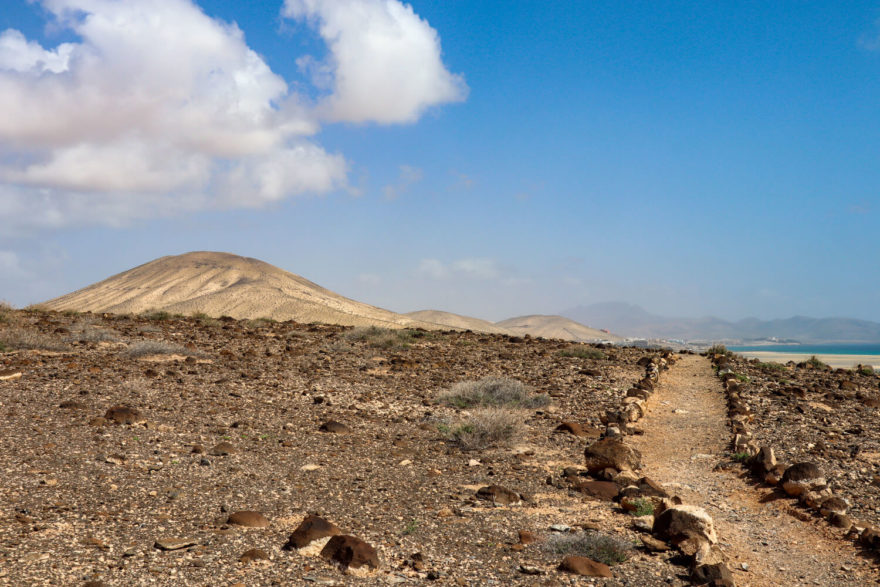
(93, 334)
(492, 391)
(160, 347)
(484, 428)
(595, 545)
(383, 338)
(19, 338)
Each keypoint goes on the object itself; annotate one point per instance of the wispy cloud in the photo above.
(475, 268)
(408, 177)
(158, 109)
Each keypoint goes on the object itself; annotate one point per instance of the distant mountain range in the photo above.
(634, 321)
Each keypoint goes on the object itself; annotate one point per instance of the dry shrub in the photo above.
(485, 428)
(19, 338)
(595, 545)
(146, 348)
(382, 338)
(492, 391)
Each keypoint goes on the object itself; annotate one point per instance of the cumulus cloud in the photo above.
(385, 61)
(407, 178)
(159, 109)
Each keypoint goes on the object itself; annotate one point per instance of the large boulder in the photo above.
(801, 477)
(611, 453)
(683, 523)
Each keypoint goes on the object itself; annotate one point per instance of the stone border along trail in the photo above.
(767, 542)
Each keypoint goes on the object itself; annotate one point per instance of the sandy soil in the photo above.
(685, 438)
(836, 361)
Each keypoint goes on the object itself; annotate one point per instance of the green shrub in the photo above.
(582, 353)
(772, 367)
(814, 363)
(483, 429)
(643, 507)
(867, 370)
(595, 545)
(718, 349)
(492, 391)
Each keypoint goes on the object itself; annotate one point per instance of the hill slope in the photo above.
(222, 284)
(555, 327)
(456, 321)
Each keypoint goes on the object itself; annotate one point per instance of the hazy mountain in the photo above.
(219, 284)
(634, 321)
(555, 327)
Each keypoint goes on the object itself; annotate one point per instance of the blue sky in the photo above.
(719, 158)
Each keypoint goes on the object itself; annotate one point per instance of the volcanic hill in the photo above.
(222, 284)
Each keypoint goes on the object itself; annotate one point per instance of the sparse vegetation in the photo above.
(492, 391)
(91, 334)
(411, 527)
(741, 377)
(717, 349)
(157, 315)
(582, 353)
(595, 545)
(204, 319)
(483, 429)
(814, 363)
(772, 367)
(643, 508)
(17, 338)
(741, 457)
(160, 347)
(383, 338)
(867, 370)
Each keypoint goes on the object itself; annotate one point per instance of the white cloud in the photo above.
(407, 178)
(10, 266)
(474, 268)
(480, 268)
(158, 109)
(433, 268)
(385, 61)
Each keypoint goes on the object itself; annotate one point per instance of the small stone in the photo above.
(222, 449)
(310, 467)
(572, 428)
(526, 537)
(586, 567)
(254, 554)
(654, 545)
(560, 528)
(498, 495)
(174, 543)
(248, 519)
(122, 415)
(601, 490)
(334, 427)
(9, 374)
(801, 477)
(530, 570)
(611, 453)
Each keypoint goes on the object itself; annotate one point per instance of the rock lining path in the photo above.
(685, 436)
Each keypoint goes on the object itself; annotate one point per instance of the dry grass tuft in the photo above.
(21, 339)
(484, 429)
(492, 391)
(595, 545)
(146, 348)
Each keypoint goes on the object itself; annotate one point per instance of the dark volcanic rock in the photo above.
(334, 427)
(122, 415)
(350, 552)
(311, 528)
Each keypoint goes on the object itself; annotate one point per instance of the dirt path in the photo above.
(686, 435)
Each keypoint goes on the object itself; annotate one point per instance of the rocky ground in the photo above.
(809, 412)
(131, 444)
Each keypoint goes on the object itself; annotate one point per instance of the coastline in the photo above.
(836, 361)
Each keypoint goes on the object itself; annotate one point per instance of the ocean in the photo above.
(814, 349)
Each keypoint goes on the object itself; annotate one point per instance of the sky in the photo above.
(487, 158)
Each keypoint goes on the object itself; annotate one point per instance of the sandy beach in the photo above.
(841, 361)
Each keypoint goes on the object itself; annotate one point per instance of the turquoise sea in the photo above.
(814, 349)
